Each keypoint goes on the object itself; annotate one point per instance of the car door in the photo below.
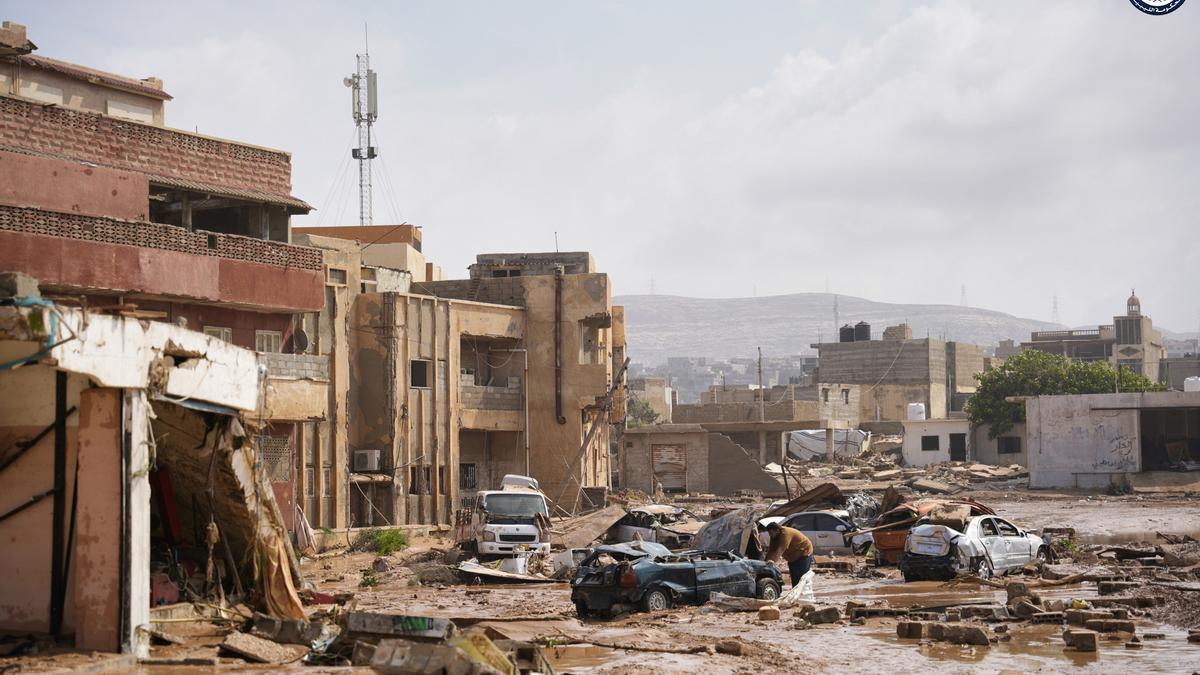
(721, 573)
(806, 523)
(830, 538)
(993, 543)
(1016, 546)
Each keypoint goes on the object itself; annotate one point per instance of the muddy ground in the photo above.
(416, 581)
(684, 640)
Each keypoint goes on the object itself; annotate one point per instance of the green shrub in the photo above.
(381, 541)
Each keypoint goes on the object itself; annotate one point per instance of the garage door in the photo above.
(670, 467)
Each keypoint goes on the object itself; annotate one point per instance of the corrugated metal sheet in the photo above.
(670, 467)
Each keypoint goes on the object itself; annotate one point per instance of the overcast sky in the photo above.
(892, 150)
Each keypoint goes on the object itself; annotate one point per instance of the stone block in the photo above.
(910, 629)
(768, 613)
(824, 615)
(966, 634)
(1110, 625)
(1082, 639)
(1077, 617)
(1024, 609)
(286, 631)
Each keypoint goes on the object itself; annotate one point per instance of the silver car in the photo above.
(985, 546)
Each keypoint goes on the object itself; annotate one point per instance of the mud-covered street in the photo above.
(871, 603)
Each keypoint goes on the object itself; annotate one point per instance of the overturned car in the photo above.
(982, 545)
(647, 576)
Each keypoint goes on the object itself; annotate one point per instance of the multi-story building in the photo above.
(108, 207)
(146, 394)
(1130, 342)
(568, 340)
(898, 370)
(443, 387)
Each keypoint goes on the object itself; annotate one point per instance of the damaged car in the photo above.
(982, 545)
(670, 526)
(646, 576)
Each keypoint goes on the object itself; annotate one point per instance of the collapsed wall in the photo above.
(731, 468)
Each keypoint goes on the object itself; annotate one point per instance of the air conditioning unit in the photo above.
(366, 460)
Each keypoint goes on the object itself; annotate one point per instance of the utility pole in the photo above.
(364, 91)
(762, 397)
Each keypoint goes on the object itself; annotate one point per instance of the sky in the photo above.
(897, 151)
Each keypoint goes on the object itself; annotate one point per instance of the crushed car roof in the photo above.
(635, 549)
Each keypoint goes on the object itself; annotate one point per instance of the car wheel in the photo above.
(581, 609)
(910, 577)
(1041, 555)
(983, 569)
(656, 600)
(768, 589)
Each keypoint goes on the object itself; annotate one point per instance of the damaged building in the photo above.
(759, 419)
(129, 478)
(109, 208)
(1102, 440)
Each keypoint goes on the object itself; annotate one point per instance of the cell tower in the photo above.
(1054, 310)
(365, 102)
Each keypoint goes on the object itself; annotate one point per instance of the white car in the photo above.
(987, 545)
(826, 530)
(670, 526)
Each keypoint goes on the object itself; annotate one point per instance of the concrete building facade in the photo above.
(687, 458)
(107, 207)
(1130, 342)
(572, 338)
(655, 392)
(1097, 440)
(933, 441)
(896, 371)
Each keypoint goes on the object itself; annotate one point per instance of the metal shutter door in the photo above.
(670, 467)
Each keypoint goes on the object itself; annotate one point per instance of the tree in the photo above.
(639, 413)
(1035, 373)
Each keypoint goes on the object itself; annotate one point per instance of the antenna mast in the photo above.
(365, 102)
(1054, 310)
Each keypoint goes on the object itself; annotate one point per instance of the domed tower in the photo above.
(1133, 305)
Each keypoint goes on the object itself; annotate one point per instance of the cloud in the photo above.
(1019, 148)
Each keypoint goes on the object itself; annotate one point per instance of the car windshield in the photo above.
(516, 505)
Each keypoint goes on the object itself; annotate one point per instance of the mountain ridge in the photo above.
(659, 326)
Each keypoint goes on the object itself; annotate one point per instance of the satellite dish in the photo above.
(299, 341)
(348, 81)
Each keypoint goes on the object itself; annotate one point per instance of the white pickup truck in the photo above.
(509, 521)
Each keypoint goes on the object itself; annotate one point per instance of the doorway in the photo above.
(958, 447)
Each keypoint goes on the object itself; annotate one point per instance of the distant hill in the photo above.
(659, 326)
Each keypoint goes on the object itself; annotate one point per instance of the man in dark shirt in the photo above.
(792, 546)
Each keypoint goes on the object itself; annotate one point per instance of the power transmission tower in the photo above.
(365, 101)
(1054, 310)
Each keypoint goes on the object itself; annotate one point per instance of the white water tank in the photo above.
(916, 411)
(1191, 384)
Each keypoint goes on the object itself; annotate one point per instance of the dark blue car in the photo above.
(647, 576)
